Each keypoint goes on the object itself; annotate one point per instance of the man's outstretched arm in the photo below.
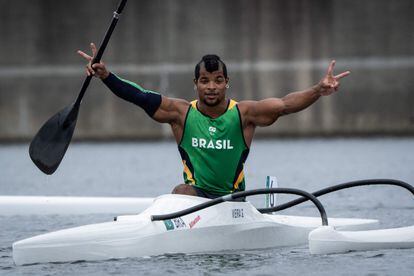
(160, 108)
(148, 100)
(267, 111)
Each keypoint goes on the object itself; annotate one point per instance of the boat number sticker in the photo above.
(237, 213)
(175, 223)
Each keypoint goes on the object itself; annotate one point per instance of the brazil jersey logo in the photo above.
(202, 143)
(212, 130)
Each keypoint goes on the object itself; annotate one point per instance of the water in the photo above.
(150, 169)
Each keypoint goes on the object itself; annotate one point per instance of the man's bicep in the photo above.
(264, 112)
(170, 110)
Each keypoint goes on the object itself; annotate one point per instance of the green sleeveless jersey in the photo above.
(213, 150)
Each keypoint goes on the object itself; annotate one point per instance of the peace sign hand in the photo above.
(330, 83)
(97, 69)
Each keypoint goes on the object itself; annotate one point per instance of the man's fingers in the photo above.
(86, 56)
(337, 87)
(331, 67)
(90, 70)
(93, 48)
(97, 66)
(344, 74)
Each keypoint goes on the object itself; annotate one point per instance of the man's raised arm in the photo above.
(267, 111)
(160, 108)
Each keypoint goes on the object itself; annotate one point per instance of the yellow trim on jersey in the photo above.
(188, 172)
(232, 104)
(239, 180)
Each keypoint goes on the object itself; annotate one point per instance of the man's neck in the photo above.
(213, 111)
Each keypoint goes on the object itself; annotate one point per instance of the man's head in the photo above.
(210, 79)
(211, 63)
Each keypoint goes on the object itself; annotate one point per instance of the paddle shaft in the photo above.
(101, 50)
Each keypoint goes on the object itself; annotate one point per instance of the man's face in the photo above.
(211, 87)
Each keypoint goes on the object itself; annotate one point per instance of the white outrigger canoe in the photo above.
(202, 225)
(230, 225)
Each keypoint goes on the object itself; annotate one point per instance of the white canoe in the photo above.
(226, 226)
(327, 240)
(69, 205)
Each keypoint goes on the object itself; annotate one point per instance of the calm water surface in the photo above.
(151, 169)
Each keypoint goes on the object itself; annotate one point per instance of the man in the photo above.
(213, 133)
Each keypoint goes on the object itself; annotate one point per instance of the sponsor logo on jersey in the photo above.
(211, 144)
(212, 130)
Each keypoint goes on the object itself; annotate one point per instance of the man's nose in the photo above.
(211, 85)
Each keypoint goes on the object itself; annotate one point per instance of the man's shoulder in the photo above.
(244, 106)
(171, 110)
(178, 103)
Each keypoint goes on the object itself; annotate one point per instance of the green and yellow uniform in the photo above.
(213, 150)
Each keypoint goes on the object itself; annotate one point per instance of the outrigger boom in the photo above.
(237, 195)
(188, 224)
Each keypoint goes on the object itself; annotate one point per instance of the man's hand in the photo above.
(98, 69)
(330, 83)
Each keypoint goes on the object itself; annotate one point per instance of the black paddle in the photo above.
(51, 142)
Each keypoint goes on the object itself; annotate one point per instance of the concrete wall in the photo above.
(271, 48)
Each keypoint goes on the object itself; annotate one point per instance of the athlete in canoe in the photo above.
(213, 133)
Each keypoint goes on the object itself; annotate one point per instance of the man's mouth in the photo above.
(212, 96)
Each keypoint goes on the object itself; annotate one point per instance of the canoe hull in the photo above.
(228, 226)
(327, 240)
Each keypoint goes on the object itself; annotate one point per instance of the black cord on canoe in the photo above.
(233, 196)
(337, 188)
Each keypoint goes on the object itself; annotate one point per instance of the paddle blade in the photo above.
(51, 142)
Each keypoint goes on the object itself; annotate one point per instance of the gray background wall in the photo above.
(271, 48)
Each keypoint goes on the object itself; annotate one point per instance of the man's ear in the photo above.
(195, 85)
(227, 83)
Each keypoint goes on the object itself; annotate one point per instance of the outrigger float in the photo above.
(188, 224)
